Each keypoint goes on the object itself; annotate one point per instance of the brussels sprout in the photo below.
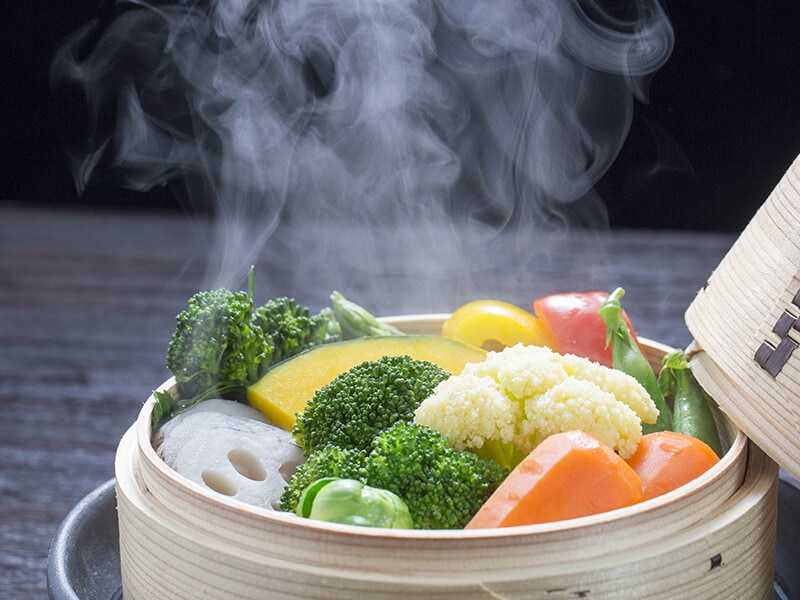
(351, 502)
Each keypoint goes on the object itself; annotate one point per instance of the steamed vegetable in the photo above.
(231, 454)
(569, 475)
(331, 461)
(360, 403)
(493, 324)
(573, 321)
(350, 502)
(355, 321)
(628, 358)
(692, 413)
(215, 349)
(443, 488)
(222, 343)
(287, 387)
(290, 328)
(666, 460)
(505, 406)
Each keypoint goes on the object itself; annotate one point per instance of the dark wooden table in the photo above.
(87, 307)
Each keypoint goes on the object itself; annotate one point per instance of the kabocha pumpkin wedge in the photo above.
(286, 388)
(568, 475)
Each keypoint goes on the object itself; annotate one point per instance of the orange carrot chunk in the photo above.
(666, 460)
(568, 475)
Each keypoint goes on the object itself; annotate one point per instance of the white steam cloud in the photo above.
(366, 144)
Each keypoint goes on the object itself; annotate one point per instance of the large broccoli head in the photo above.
(369, 398)
(442, 487)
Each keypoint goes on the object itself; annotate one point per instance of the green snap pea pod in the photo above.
(626, 356)
(692, 412)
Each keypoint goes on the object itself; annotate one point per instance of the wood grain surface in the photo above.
(87, 307)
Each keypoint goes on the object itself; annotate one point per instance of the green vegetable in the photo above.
(290, 328)
(355, 321)
(361, 402)
(352, 502)
(442, 487)
(215, 349)
(327, 462)
(692, 411)
(628, 358)
(222, 344)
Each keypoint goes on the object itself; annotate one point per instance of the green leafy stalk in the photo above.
(692, 409)
(356, 321)
(628, 358)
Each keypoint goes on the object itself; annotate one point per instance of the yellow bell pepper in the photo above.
(494, 324)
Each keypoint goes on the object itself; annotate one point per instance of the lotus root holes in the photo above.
(247, 464)
(219, 482)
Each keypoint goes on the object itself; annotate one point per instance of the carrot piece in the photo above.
(666, 460)
(568, 475)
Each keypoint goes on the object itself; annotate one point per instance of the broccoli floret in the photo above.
(292, 329)
(442, 487)
(328, 462)
(360, 403)
(222, 343)
(215, 350)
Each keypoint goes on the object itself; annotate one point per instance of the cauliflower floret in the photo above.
(470, 409)
(521, 371)
(579, 404)
(505, 405)
(621, 385)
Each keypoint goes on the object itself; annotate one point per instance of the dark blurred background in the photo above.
(722, 125)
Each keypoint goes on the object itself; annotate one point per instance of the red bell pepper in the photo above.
(575, 325)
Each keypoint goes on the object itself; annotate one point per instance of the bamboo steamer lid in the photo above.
(746, 326)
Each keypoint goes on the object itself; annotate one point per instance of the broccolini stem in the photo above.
(356, 321)
(251, 281)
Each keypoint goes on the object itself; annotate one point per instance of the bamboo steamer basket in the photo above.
(712, 538)
(746, 326)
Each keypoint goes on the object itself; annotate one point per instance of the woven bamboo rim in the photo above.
(198, 544)
(746, 325)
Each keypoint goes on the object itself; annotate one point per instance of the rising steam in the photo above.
(397, 136)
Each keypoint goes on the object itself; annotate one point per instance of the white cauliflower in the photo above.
(504, 406)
